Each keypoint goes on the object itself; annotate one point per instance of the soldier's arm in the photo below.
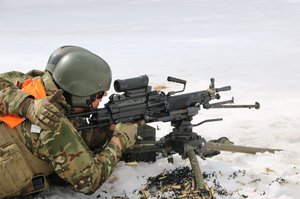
(74, 162)
(11, 96)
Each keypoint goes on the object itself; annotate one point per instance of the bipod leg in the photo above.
(196, 168)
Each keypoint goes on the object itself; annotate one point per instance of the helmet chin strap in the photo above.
(80, 102)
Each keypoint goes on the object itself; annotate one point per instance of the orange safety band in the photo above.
(34, 88)
(11, 120)
(31, 87)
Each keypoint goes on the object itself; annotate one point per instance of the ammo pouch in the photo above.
(16, 178)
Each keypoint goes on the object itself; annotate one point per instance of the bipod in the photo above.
(195, 167)
(184, 141)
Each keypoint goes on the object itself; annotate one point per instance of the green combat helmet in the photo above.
(80, 73)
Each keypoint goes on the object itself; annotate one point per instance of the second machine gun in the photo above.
(139, 102)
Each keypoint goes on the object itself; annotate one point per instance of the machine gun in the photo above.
(138, 101)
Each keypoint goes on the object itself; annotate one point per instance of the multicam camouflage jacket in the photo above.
(67, 151)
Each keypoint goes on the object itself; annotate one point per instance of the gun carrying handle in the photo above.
(176, 80)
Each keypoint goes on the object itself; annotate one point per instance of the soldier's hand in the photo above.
(41, 112)
(139, 123)
(127, 133)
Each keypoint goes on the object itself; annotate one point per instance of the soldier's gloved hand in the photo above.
(127, 133)
(41, 112)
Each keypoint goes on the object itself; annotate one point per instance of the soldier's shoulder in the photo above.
(35, 72)
(12, 74)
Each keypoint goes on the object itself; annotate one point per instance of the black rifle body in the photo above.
(139, 102)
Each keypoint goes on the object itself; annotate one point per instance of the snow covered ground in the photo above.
(251, 45)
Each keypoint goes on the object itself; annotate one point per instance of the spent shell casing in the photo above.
(147, 194)
(193, 185)
(188, 187)
(163, 177)
(206, 187)
(212, 191)
(132, 163)
(183, 196)
(176, 187)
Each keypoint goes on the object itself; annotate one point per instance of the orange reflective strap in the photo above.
(26, 82)
(31, 87)
(34, 88)
(12, 121)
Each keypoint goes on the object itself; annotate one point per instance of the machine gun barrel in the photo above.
(222, 105)
(225, 88)
(237, 148)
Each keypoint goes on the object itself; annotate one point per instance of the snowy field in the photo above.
(254, 46)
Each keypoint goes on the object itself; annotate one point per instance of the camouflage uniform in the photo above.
(64, 149)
